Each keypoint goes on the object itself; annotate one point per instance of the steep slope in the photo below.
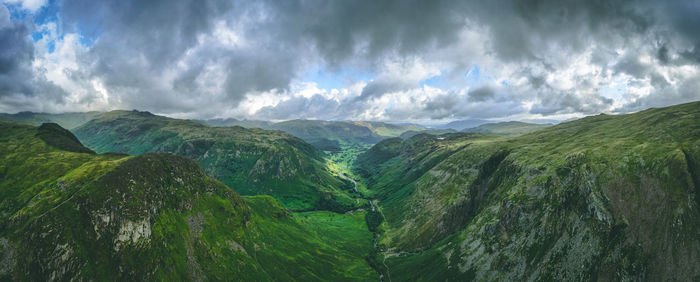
(56, 136)
(251, 161)
(507, 128)
(79, 216)
(600, 198)
(65, 120)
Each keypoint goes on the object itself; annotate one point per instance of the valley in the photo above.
(155, 206)
(587, 199)
(603, 197)
(356, 140)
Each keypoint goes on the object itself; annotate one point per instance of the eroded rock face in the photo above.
(133, 233)
(7, 257)
(110, 221)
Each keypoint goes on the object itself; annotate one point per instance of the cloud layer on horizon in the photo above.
(387, 60)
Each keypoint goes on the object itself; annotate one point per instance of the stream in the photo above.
(371, 203)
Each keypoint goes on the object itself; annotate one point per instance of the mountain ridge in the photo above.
(76, 215)
(507, 128)
(252, 161)
(501, 207)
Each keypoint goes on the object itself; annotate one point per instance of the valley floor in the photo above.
(340, 162)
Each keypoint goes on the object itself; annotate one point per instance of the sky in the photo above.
(402, 61)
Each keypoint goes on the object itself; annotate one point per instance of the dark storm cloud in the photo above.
(281, 32)
(22, 86)
(525, 29)
(443, 104)
(684, 21)
(342, 29)
(140, 40)
(159, 30)
(316, 106)
(16, 55)
(169, 57)
(564, 103)
(482, 93)
(453, 105)
(379, 87)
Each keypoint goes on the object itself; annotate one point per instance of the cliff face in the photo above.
(604, 197)
(120, 223)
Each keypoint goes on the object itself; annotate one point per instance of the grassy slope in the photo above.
(338, 135)
(157, 216)
(411, 133)
(65, 120)
(347, 232)
(235, 122)
(604, 197)
(252, 161)
(507, 128)
(328, 135)
(387, 129)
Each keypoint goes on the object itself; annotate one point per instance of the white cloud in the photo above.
(249, 59)
(30, 5)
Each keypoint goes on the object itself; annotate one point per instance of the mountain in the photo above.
(388, 129)
(65, 120)
(328, 135)
(67, 213)
(236, 122)
(507, 128)
(599, 198)
(332, 135)
(251, 161)
(462, 124)
(411, 133)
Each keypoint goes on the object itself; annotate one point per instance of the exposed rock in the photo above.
(7, 257)
(133, 233)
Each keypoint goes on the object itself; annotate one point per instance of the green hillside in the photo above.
(236, 122)
(338, 135)
(600, 198)
(388, 129)
(507, 128)
(65, 120)
(328, 135)
(606, 197)
(251, 161)
(411, 133)
(67, 215)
